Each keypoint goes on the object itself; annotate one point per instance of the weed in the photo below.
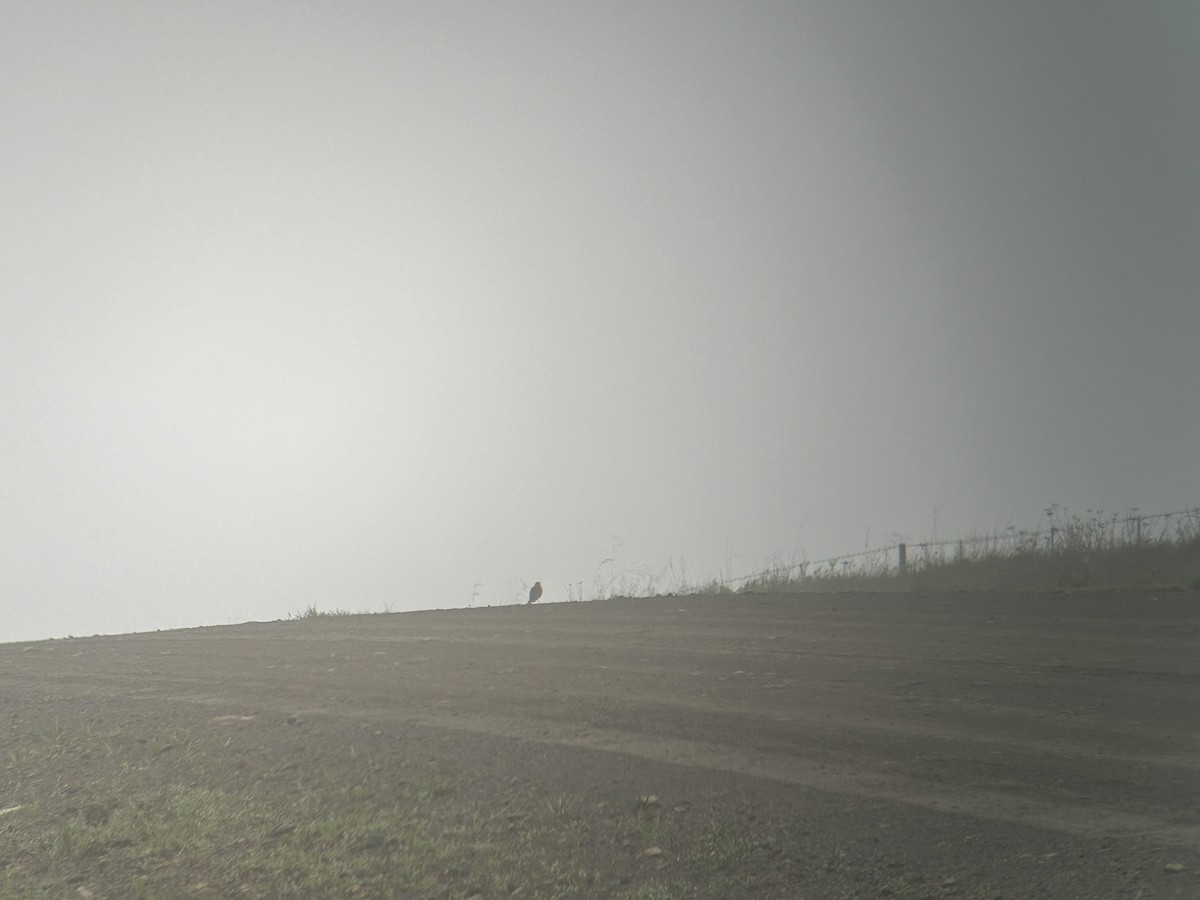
(723, 847)
(1094, 550)
(312, 612)
(835, 859)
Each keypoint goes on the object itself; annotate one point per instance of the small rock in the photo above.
(1174, 867)
(85, 893)
(652, 851)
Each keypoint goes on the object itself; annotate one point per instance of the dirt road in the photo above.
(1043, 744)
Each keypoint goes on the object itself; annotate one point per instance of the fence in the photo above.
(1064, 533)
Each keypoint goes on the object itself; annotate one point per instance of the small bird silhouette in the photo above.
(535, 592)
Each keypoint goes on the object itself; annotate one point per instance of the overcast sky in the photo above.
(367, 305)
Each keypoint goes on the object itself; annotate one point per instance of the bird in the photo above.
(535, 592)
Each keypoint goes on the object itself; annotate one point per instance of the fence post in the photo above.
(1139, 530)
(903, 560)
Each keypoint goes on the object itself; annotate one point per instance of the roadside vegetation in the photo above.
(253, 806)
(1095, 550)
(1090, 551)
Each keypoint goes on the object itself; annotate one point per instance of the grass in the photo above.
(312, 612)
(179, 835)
(211, 811)
(174, 815)
(1091, 551)
(1096, 550)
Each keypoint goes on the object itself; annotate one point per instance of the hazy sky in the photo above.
(365, 304)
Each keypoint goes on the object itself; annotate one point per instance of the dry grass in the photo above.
(1090, 551)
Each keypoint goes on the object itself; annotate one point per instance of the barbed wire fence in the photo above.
(1064, 532)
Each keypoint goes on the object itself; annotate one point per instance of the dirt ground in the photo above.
(852, 745)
